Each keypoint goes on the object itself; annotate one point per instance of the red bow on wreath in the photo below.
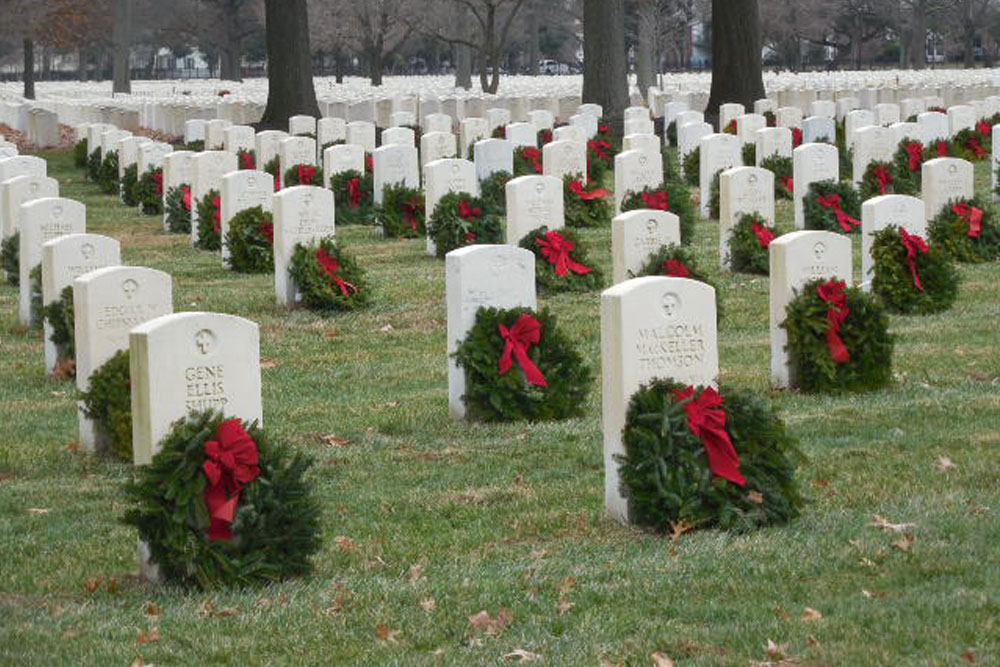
(600, 149)
(832, 292)
(469, 238)
(468, 211)
(306, 174)
(230, 464)
(675, 269)
(913, 245)
(796, 137)
(266, 230)
(846, 222)
(277, 183)
(764, 234)
(707, 420)
(977, 148)
(972, 215)
(556, 248)
(884, 179)
(942, 149)
(331, 266)
(410, 209)
(217, 215)
(915, 150)
(354, 192)
(158, 180)
(789, 184)
(984, 128)
(534, 158)
(527, 331)
(658, 200)
(246, 159)
(577, 188)
(187, 196)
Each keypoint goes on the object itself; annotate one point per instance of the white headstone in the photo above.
(811, 163)
(871, 144)
(718, 153)
(302, 214)
(564, 158)
(944, 179)
(819, 128)
(773, 141)
(241, 190)
(636, 170)
(437, 146)
(18, 190)
(933, 127)
(492, 156)
(341, 158)
(878, 213)
(42, 220)
(209, 168)
(743, 190)
(533, 202)
(394, 165)
(362, 133)
(635, 235)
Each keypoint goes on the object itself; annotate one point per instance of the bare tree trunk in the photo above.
(605, 78)
(736, 60)
(918, 37)
(647, 46)
(969, 33)
(534, 50)
(122, 38)
(289, 63)
(29, 68)
(81, 64)
(375, 65)
(338, 65)
(230, 68)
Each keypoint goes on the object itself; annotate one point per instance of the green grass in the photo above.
(508, 514)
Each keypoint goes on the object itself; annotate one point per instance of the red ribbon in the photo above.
(556, 248)
(534, 158)
(266, 230)
(942, 149)
(230, 464)
(976, 147)
(846, 222)
(788, 183)
(600, 149)
(913, 245)
(884, 179)
(187, 196)
(217, 215)
(972, 215)
(984, 128)
(604, 129)
(731, 127)
(578, 188)
(332, 266)
(764, 234)
(369, 163)
(158, 179)
(832, 292)
(468, 211)
(796, 137)
(354, 192)
(527, 331)
(675, 269)
(306, 174)
(247, 160)
(277, 183)
(658, 200)
(410, 210)
(546, 136)
(469, 238)
(707, 420)
(915, 150)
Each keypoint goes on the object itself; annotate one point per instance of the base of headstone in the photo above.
(866, 286)
(87, 430)
(148, 570)
(51, 355)
(431, 247)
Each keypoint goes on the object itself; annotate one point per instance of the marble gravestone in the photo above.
(19, 190)
(878, 213)
(492, 156)
(442, 177)
(394, 165)
(533, 202)
(743, 190)
(718, 153)
(241, 190)
(944, 179)
(209, 168)
(42, 220)
(811, 163)
(636, 170)
(302, 214)
(635, 235)
(564, 158)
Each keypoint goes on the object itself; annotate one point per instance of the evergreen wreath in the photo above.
(864, 334)
(10, 253)
(966, 230)
(80, 154)
(178, 209)
(672, 134)
(770, 118)
(824, 217)
(402, 213)
(671, 166)
(272, 167)
(544, 137)
(907, 165)
(666, 471)
(561, 265)
(303, 174)
(846, 159)
(108, 401)
(749, 154)
(730, 128)
(499, 132)
(971, 145)
(94, 165)
(585, 203)
(59, 314)
(210, 221)
(129, 183)
(600, 158)
(328, 278)
(672, 196)
(547, 378)
(692, 167)
(749, 245)
(879, 179)
(250, 240)
(149, 191)
(493, 191)
(674, 261)
(353, 194)
(35, 283)
(782, 169)
(459, 219)
(527, 161)
(196, 146)
(715, 196)
(107, 175)
(246, 158)
(276, 523)
(912, 277)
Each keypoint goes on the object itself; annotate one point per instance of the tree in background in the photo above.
(736, 54)
(604, 75)
(289, 63)
(121, 36)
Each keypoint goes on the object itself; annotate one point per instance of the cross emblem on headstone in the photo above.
(203, 339)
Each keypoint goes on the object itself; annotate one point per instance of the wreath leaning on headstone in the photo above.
(246, 158)
(749, 154)
(328, 278)
(224, 505)
(10, 253)
(94, 165)
(907, 166)
(149, 191)
(59, 315)
(672, 196)
(519, 365)
(493, 191)
(402, 212)
(129, 183)
(107, 175)
(459, 219)
(911, 276)
(210, 221)
(561, 265)
(35, 296)
(352, 192)
(108, 401)
(601, 153)
(879, 179)
(527, 161)
(271, 167)
(782, 169)
(692, 167)
(832, 206)
(178, 209)
(838, 339)
(303, 174)
(250, 240)
(80, 154)
(749, 245)
(966, 230)
(701, 458)
(674, 261)
(585, 203)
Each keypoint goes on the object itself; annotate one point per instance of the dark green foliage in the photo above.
(347, 210)
(692, 167)
(671, 166)
(493, 191)
(672, 133)
(147, 193)
(846, 156)
(781, 167)
(272, 168)
(450, 230)
(580, 212)
(665, 474)
(108, 401)
(907, 180)
(277, 524)
(10, 252)
(951, 232)
(94, 165)
(107, 175)
(527, 161)
(210, 222)
(746, 254)
(870, 187)
(749, 153)
(865, 333)
(678, 202)
(545, 271)
(130, 180)
(823, 218)
(715, 196)
(659, 264)
(250, 240)
(490, 396)
(965, 143)
(292, 176)
(893, 280)
(402, 213)
(196, 146)
(601, 153)
(319, 291)
(80, 154)
(59, 315)
(35, 281)
(178, 211)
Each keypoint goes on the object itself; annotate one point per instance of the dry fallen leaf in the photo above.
(38, 510)
(152, 636)
(152, 609)
(428, 604)
(384, 634)
(521, 655)
(266, 364)
(888, 526)
(756, 497)
(335, 441)
(969, 656)
(345, 543)
(73, 446)
(415, 572)
(978, 509)
(139, 663)
(812, 641)
(91, 585)
(386, 329)
(944, 464)
(661, 660)
(679, 528)
(810, 614)
(905, 543)
(489, 625)
(64, 370)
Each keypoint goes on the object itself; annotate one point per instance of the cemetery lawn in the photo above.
(428, 522)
